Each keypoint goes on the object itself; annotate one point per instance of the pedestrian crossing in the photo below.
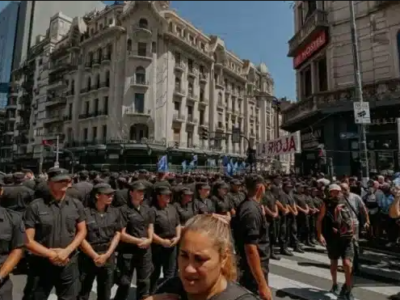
(307, 276)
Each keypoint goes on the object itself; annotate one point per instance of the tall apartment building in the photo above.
(8, 25)
(136, 79)
(322, 56)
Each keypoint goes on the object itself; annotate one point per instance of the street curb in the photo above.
(394, 254)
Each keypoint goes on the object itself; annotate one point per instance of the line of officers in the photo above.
(98, 232)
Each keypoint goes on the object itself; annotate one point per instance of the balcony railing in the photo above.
(317, 20)
(178, 117)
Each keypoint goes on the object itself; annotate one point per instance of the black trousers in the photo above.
(164, 258)
(44, 276)
(303, 224)
(140, 261)
(273, 229)
(288, 232)
(6, 289)
(104, 275)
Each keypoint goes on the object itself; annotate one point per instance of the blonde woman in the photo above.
(206, 263)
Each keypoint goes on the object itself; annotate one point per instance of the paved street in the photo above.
(307, 276)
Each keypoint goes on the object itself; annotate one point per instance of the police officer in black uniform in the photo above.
(83, 185)
(303, 211)
(134, 251)
(283, 203)
(103, 234)
(272, 215)
(184, 205)
(202, 204)
(167, 232)
(235, 196)
(222, 204)
(252, 239)
(17, 196)
(12, 238)
(55, 227)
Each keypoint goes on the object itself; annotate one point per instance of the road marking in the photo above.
(325, 274)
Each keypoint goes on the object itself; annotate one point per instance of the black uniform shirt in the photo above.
(204, 206)
(251, 228)
(269, 200)
(120, 197)
(300, 200)
(54, 221)
(101, 227)
(310, 201)
(165, 221)
(222, 205)
(137, 220)
(232, 291)
(12, 232)
(185, 211)
(235, 198)
(17, 197)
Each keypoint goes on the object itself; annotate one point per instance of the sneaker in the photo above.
(334, 290)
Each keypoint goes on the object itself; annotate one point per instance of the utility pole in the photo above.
(359, 95)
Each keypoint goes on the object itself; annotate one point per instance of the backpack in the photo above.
(343, 221)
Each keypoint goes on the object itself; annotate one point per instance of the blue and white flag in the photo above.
(193, 163)
(225, 161)
(235, 167)
(162, 164)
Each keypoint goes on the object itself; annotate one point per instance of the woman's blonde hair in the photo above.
(219, 231)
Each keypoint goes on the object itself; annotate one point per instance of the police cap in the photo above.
(203, 185)
(137, 186)
(163, 190)
(58, 174)
(18, 176)
(236, 182)
(287, 184)
(103, 188)
(186, 191)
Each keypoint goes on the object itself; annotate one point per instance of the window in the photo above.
(105, 105)
(97, 81)
(107, 78)
(190, 65)
(87, 107)
(202, 94)
(177, 134)
(109, 51)
(70, 110)
(140, 75)
(220, 97)
(177, 57)
(90, 57)
(311, 7)
(306, 82)
(94, 132)
(96, 105)
(99, 53)
(104, 131)
(189, 140)
(139, 103)
(190, 111)
(73, 87)
(191, 88)
(143, 23)
(177, 83)
(154, 47)
(177, 106)
(322, 75)
(201, 117)
(85, 134)
(129, 45)
(142, 49)
(89, 83)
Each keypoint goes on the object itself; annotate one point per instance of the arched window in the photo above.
(143, 23)
(129, 45)
(140, 74)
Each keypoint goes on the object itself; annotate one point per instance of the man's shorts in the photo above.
(340, 248)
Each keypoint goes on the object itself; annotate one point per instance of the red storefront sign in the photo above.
(316, 44)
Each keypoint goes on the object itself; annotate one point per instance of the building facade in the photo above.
(322, 56)
(123, 85)
(8, 25)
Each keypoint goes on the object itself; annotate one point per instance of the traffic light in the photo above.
(251, 156)
(204, 134)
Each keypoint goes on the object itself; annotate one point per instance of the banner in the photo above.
(287, 144)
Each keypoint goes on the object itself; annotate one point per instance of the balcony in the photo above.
(203, 78)
(138, 82)
(141, 32)
(204, 124)
(191, 120)
(192, 97)
(228, 91)
(140, 55)
(178, 117)
(220, 104)
(54, 101)
(317, 21)
(203, 101)
(192, 72)
(59, 84)
(67, 118)
(105, 85)
(219, 84)
(178, 91)
(53, 119)
(96, 63)
(180, 66)
(220, 126)
(11, 105)
(106, 59)
(132, 111)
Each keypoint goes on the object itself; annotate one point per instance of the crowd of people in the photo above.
(202, 234)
